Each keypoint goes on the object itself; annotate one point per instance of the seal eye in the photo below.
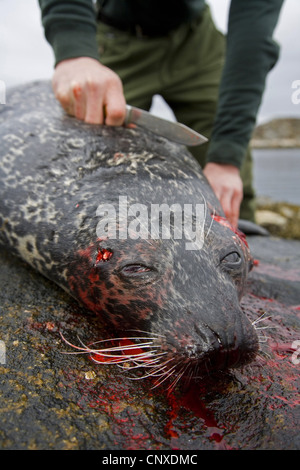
(135, 269)
(138, 273)
(231, 260)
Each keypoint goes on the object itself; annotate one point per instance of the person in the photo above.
(120, 51)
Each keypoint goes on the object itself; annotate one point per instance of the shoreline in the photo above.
(281, 133)
(289, 144)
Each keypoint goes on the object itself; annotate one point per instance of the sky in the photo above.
(25, 55)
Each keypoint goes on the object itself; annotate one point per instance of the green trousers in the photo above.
(184, 67)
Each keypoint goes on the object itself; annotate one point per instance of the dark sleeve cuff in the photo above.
(225, 151)
(70, 43)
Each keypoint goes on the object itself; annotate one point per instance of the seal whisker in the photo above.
(261, 318)
(121, 358)
(160, 370)
(125, 338)
(165, 376)
(265, 327)
(82, 349)
(106, 356)
(125, 356)
(154, 359)
(149, 333)
(177, 378)
(123, 348)
(112, 348)
(263, 338)
(75, 352)
(210, 225)
(156, 371)
(191, 373)
(143, 362)
(261, 353)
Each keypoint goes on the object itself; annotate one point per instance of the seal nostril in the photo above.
(208, 342)
(200, 333)
(215, 353)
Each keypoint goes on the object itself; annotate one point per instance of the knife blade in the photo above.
(174, 131)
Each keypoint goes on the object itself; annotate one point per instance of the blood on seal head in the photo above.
(173, 301)
(186, 301)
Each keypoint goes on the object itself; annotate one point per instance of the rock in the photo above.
(52, 400)
(277, 133)
(279, 218)
(267, 218)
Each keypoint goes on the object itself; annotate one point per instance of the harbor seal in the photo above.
(83, 205)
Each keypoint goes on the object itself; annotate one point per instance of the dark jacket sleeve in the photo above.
(250, 54)
(70, 28)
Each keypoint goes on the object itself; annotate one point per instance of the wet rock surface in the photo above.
(52, 400)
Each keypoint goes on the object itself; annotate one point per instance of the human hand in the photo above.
(89, 91)
(228, 187)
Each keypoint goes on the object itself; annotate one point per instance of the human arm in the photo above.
(250, 54)
(226, 182)
(84, 87)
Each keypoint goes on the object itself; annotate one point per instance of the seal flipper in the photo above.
(250, 228)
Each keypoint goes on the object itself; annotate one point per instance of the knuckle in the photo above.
(93, 86)
(62, 97)
(116, 113)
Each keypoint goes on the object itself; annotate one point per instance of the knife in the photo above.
(174, 131)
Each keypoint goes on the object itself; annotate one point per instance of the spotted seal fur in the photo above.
(55, 172)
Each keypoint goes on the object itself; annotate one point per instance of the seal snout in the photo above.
(208, 350)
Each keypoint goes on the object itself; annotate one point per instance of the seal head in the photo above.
(186, 300)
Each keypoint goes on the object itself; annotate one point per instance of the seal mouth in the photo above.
(204, 352)
(212, 362)
(154, 357)
(223, 360)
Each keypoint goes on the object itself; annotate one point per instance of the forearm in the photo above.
(250, 54)
(70, 28)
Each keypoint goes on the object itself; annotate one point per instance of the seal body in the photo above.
(82, 204)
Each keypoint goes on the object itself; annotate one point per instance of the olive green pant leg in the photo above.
(194, 99)
(136, 61)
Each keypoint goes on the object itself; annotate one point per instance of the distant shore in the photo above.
(280, 218)
(277, 133)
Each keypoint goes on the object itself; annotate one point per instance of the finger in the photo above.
(78, 100)
(226, 203)
(115, 107)
(235, 208)
(94, 104)
(64, 96)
